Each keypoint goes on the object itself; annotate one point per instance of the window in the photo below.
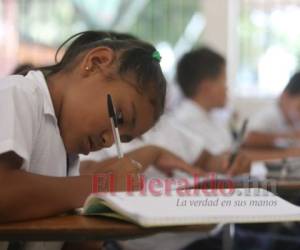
(39, 27)
(269, 45)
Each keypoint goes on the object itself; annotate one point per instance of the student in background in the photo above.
(278, 125)
(201, 76)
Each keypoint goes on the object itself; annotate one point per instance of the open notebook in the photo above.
(196, 207)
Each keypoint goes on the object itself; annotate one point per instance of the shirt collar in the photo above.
(194, 108)
(42, 84)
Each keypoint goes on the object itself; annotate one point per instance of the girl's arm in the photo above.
(26, 196)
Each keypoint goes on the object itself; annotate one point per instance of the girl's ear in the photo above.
(97, 59)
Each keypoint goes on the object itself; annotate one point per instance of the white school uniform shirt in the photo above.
(174, 137)
(29, 128)
(202, 124)
(269, 120)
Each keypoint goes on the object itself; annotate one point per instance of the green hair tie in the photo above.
(156, 56)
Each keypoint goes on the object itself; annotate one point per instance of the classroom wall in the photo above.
(215, 32)
(222, 36)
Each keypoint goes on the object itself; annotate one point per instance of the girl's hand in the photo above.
(122, 175)
(167, 162)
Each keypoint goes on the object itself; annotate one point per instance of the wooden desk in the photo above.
(283, 185)
(268, 154)
(80, 228)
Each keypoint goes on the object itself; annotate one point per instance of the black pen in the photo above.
(238, 143)
(114, 125)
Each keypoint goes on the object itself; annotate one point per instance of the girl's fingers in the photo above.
(137, 165)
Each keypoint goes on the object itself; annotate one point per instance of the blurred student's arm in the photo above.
(260, 139)
(263, 139)
(220, 163)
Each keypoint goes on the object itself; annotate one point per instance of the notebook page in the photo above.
(244, 205)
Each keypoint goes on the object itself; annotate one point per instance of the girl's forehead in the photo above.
(142, 91)
(132, 86)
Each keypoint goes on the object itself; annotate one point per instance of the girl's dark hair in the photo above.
(21, 68)
(85, 37)
(135, 56)
(198, 65)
